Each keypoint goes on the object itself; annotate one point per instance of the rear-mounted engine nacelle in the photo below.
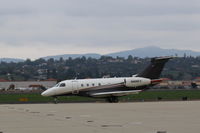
(135, 82)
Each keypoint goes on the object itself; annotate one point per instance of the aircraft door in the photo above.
(75, 87)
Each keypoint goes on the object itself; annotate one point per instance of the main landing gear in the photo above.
(113, 99)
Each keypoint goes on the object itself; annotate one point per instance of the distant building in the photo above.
(197, 79)
(3, 80)
(178, 84)
(22, 85)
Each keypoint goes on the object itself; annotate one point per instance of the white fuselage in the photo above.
(77, 85)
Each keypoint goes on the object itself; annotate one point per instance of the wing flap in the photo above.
(115, 93)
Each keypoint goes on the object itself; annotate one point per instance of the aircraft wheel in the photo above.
(116, 100)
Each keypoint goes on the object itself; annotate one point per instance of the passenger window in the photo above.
(82, 85)
(62, 85)
(87, 84)
(99, 84)
(93, 84)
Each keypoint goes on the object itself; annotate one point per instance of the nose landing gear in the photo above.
(55, 100)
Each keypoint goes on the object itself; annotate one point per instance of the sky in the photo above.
(38, 28)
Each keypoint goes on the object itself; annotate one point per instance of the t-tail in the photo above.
(154, 70)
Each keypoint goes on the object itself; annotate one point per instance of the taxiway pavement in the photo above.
(140, 117)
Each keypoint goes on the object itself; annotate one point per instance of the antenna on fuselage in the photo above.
(76, 77)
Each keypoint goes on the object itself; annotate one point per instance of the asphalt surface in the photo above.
(140, 117)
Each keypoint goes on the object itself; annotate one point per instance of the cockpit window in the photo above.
(57, 85)
(62, 85)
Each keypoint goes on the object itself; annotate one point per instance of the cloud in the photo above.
(76, 26)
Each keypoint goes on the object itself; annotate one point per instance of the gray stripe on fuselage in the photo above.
(92, 91)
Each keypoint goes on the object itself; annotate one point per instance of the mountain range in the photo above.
(153, 51)
(73, 56)
(150, 51)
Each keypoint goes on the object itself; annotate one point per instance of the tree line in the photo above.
(182, 68)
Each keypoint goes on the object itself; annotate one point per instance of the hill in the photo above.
(150, 51)
(153, 51)
(8, 60)
(73, 56)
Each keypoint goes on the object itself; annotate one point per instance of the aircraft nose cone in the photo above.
(44, 93)
(48, 92)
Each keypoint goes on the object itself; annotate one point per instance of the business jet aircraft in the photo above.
(111, 88)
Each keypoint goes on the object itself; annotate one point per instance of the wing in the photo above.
(115, 93)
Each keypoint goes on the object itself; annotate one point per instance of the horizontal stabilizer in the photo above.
(156, 81)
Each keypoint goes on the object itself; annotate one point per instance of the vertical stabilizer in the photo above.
(154, 70)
